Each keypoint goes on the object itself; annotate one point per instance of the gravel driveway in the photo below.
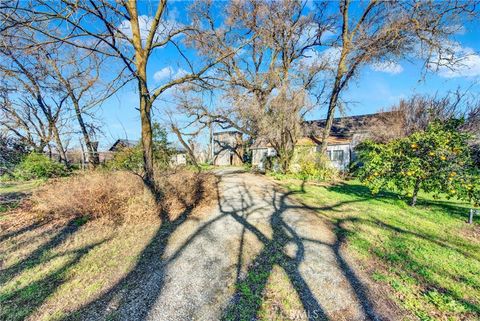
(215, 266)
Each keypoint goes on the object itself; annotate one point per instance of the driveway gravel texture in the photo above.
(215, 266)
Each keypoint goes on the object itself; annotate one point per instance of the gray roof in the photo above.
(122, 143)
(344, 126)
(227, 132)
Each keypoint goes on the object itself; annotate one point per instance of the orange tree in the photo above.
(437, 160)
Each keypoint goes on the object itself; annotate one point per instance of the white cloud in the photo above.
(180, 73)
(458, 61)
(331, 55)
(168, 73)
(144, 22)
(327, 57)
(389, 67)
(311, 31)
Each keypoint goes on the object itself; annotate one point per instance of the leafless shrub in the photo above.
(116, 197)
(92, 195)
(183, 190)
(416, 113)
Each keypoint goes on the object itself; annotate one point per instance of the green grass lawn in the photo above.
(428, 256)
(12, 192)
(18, 187)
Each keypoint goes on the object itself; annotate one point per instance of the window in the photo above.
(336, 155)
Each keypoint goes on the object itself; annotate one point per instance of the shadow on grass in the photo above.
(9, 201)
(22, 230)
(399, 257)
(133, 297)
(452, 208)
(20, 303)
(414, 268)
(395, 253)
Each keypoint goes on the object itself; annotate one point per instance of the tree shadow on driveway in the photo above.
(134, 297)
(247, 300)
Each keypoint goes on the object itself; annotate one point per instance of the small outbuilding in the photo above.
(228, 148)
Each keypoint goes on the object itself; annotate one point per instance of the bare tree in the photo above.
(188, 147)
(257, 86)
(418, 112)
(282, 127)
(11, 151)
(120, 31)
(78, 72)
(382, 32)
(24, 120)
(32, 107)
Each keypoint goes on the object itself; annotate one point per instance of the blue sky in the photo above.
(376, 87)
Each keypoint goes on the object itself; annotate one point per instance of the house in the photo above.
(179, 157)
(345, 134)
(122, 143)
(227, 148)
(261, 151)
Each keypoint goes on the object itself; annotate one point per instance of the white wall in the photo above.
(340, 164)
(178, 159)
(259, 155)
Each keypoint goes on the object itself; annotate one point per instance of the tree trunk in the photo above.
(331, 113)
(41, 148)
(93, 159)
(337, 86)
(49, 151)
(147, 139)
(58, 142)
(141, 58)
(284, 162)
(416, 189)
(186, 146)
(284, 157)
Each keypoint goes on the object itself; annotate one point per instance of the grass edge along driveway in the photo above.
(427, 257)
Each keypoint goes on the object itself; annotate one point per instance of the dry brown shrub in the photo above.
(183, 190)
(92, 195)
(121, 196)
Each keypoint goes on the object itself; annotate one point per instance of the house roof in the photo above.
(227, 132)
(314, 141)
(342, 130)
(343, 126)
(122, 143)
